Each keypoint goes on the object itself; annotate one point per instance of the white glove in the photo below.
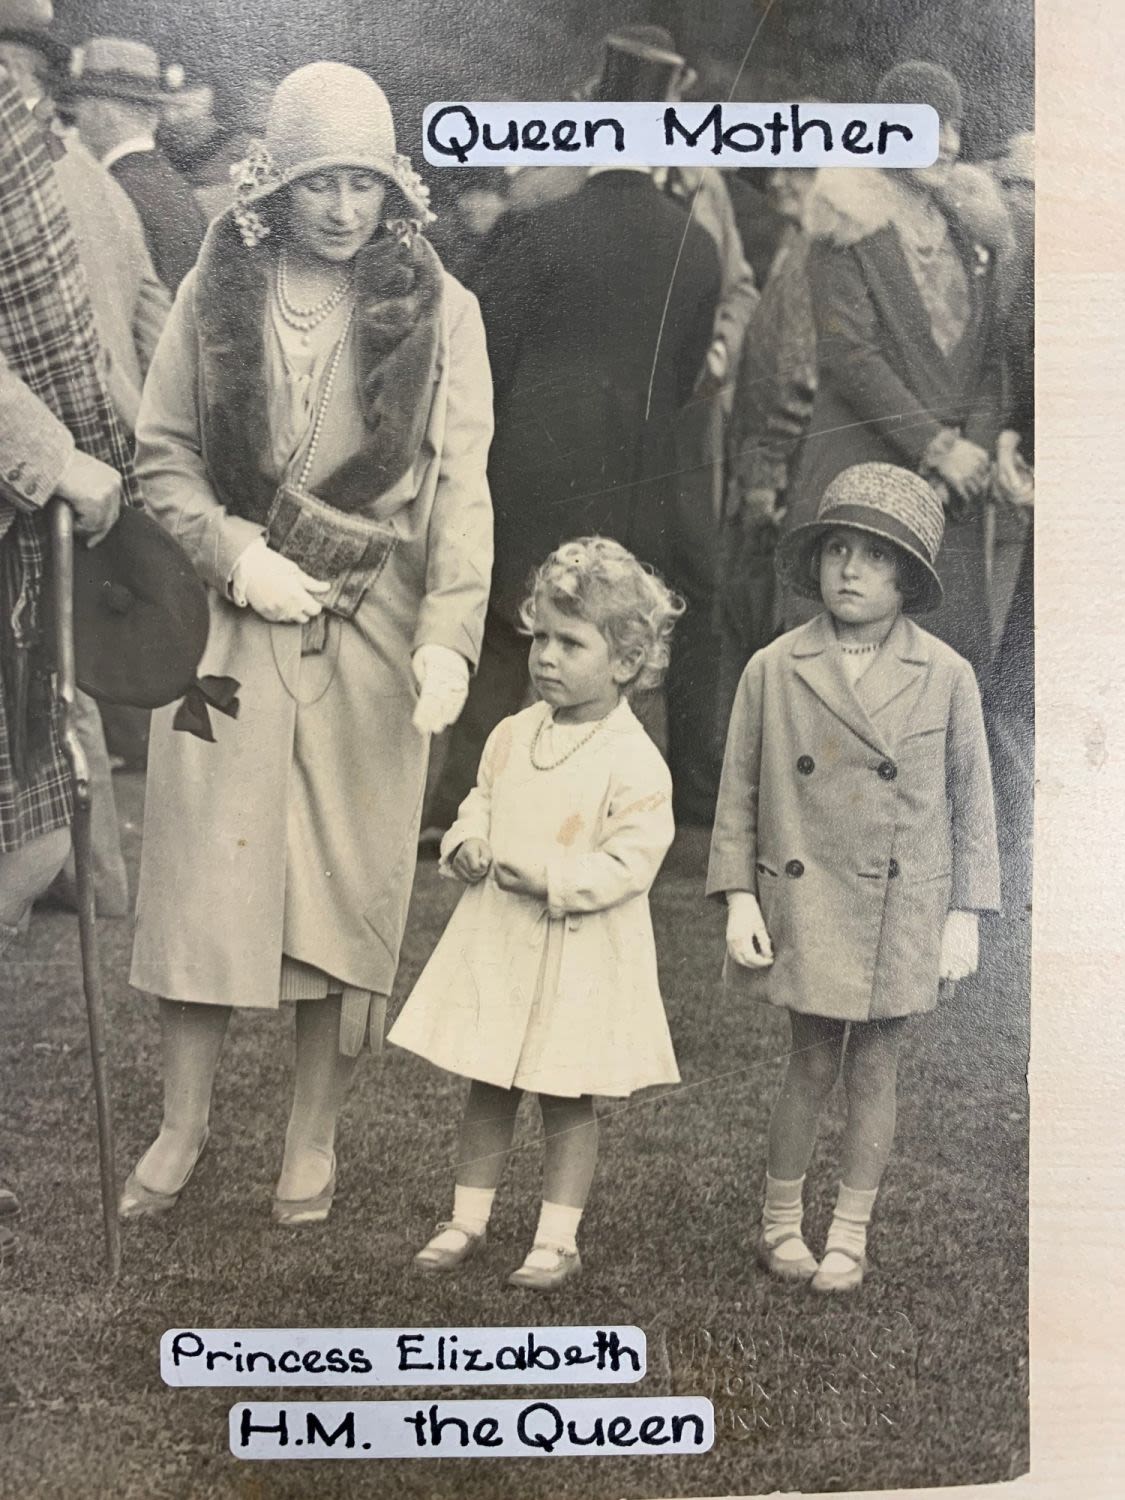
(960, 946)
(274, 586)
(443, 685)
(748, 942)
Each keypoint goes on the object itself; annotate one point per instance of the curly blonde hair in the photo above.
(598, 580)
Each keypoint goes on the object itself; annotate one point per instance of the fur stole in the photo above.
(397, 332)
(850, 204)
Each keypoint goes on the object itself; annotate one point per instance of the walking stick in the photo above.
(62, 530)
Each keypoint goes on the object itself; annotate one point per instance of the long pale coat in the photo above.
(559, 997)
(296, 831)
(859, 817)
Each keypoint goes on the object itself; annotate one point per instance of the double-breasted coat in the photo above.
(558, 996)
(859, 817)
(296, 831)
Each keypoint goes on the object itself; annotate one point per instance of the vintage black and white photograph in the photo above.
(516, 743)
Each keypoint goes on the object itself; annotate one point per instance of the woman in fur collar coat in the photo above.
(314, 430)
(905, 270)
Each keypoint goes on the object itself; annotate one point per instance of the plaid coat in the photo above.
(51, 400)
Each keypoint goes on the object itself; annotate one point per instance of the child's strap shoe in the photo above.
(798, 1264)
(844, 1274)
(449, 1247)
(546, 1268)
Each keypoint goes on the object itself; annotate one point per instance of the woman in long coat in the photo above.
(314, 430)
(903, 274)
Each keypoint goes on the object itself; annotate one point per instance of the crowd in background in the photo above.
(681, 360)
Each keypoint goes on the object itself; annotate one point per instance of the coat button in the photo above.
(887, 770)
(806, 765)
(31, 487)
(892, 869)
(795, 869)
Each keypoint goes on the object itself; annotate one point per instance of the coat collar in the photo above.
(397, 334)
(875, 708)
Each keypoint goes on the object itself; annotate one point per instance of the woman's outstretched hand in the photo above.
(472, 861)
(443, 685)
(275, 587)
(748, 941)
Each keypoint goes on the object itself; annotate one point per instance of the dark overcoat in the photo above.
(599, 309)
(859, 817)
(885, 390)
(173, 222)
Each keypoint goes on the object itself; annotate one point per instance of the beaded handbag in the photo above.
(346, 550)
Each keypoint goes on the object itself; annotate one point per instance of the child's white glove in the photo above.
(443, 685)
(960, 946)
(274, 586)
(748, 942)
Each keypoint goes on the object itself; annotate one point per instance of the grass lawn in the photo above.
(920, 1379)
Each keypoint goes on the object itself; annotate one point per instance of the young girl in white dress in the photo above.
(545, 979)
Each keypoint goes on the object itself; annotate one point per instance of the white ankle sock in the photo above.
(472, 1207)
(781, 1218)
(558, 1225)
(847, 1235)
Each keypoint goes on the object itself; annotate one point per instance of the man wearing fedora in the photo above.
(129, 300)
(115, 97)
(59, 435)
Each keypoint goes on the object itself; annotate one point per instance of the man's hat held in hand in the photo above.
(140, 615)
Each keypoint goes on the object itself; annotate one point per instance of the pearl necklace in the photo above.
(305, 319)
(868, 650)
(326, 396)
(585, 740)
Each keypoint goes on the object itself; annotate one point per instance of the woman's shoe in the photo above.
(849, 1280)
(140, 1202)
(546, 1267)
(799, 1268)
(434, 1257)
(295, 1211)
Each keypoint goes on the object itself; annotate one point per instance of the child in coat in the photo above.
(855, 840)
(545, 979)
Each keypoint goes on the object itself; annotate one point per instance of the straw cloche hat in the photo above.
(886, 501)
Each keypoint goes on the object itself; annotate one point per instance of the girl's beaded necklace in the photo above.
(305, 319)
(585, 740)
(868, 650)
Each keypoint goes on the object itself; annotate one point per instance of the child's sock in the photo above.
(558, 1225)
(781, 1219)
(472, 1207)
(847, 1234)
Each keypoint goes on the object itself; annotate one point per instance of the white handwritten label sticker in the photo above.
(401, 1356)
(582, 134)
(473, 1429)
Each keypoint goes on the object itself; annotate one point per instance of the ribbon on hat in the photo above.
(192, 715)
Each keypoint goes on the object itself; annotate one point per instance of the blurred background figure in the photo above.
(903, 276)
(130, 304)
(52, 399)
(207, 127)
(468, 202)
(115, 98)
(772, 407)
(602, 307)
(1010, 705)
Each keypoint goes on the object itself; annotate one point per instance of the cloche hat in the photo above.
(885, 500)
(327, 115)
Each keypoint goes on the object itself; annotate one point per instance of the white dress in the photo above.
(557, 997)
